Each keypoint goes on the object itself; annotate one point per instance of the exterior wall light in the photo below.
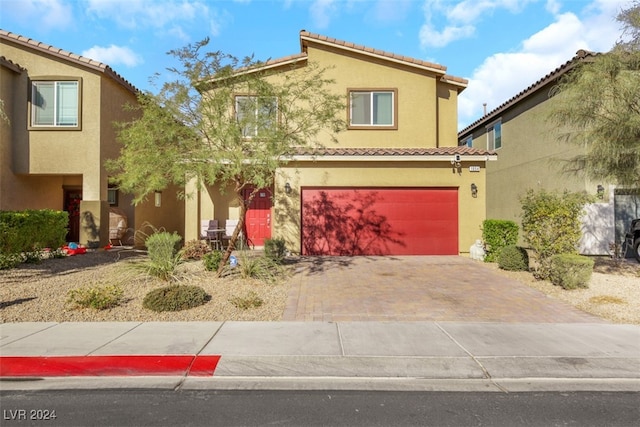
(600, 192)
(287, 188)
(158, 199)
(474, 190)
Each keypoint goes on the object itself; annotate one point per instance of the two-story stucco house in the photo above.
(532, 157)
(61, 109)
(396, 181)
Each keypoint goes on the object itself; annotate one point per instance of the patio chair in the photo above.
(211, 232)
(229, 226)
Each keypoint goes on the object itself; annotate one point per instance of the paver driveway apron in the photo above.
(417, 288)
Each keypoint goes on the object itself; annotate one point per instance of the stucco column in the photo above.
(94, 223)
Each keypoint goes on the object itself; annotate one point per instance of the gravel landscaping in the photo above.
(39, 292)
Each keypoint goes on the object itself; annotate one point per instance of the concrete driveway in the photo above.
(417, 288)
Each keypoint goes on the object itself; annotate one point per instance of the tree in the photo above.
(197, 128)
(597, 106)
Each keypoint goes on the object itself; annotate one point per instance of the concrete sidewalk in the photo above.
(498, 356)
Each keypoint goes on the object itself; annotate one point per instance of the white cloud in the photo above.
(553, 6)
(136, 14)
(43, 14)
(470, 10)
(504, 75)
(321, 12)
(386, 11)
(113, 55)
(460, 18)
(429, 36)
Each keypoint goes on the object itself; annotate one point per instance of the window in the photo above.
(55, 103)
(469, 142)
(372, 108)
(112, 196)
(494, 136)
(256, 115)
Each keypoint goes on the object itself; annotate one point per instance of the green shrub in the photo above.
(9, 261)
(551, 225)
(513, 258)
(570, 271)
(57, 253)
(175, 298)
(195, 249)
(497, 234)
(32, 257)
(260, 268)
(163, 253)
(251, 300)
(275, 250)
(98, 297)
(212, 260)
(29, 230)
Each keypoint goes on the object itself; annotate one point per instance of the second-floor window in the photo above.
(372, 108)
(55, 103)
(494, 136)
(256, 115)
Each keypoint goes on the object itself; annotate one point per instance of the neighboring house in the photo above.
(61, 109)
(395, 183)
(532, 157)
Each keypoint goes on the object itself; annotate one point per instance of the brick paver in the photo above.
(417, 288)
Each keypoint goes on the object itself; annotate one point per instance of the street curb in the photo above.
(112, 365)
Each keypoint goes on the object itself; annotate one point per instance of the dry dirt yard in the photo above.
(39, 292)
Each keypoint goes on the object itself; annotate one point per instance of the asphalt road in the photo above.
(316, 408)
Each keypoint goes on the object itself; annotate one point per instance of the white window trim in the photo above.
(32, 105)
(394, 108)
(255, 133)
(490, 128)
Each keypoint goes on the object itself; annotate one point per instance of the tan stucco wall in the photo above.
(531, 157)
(168, 217)
(287, 211)
(427, 107)
(417, 112)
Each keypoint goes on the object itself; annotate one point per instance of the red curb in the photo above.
(203, 366)
(121, 365)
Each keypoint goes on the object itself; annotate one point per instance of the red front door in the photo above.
(258, 219)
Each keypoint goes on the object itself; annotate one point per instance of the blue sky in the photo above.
(500, 46)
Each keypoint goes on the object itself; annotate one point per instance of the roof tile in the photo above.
(440, 151)
(309, 35)
(581, 55)
(60, 53)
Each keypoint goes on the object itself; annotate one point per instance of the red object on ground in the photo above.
(119, 365)
(77, 251)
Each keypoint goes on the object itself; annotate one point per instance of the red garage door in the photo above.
(380, 221)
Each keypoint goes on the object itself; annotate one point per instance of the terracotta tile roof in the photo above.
(11, 65)
(398, 152)
(306, 36)
(285, 60)
(272, 63)
(581, 55)
(69, 56)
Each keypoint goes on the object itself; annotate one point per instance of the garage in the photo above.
(379, 221)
